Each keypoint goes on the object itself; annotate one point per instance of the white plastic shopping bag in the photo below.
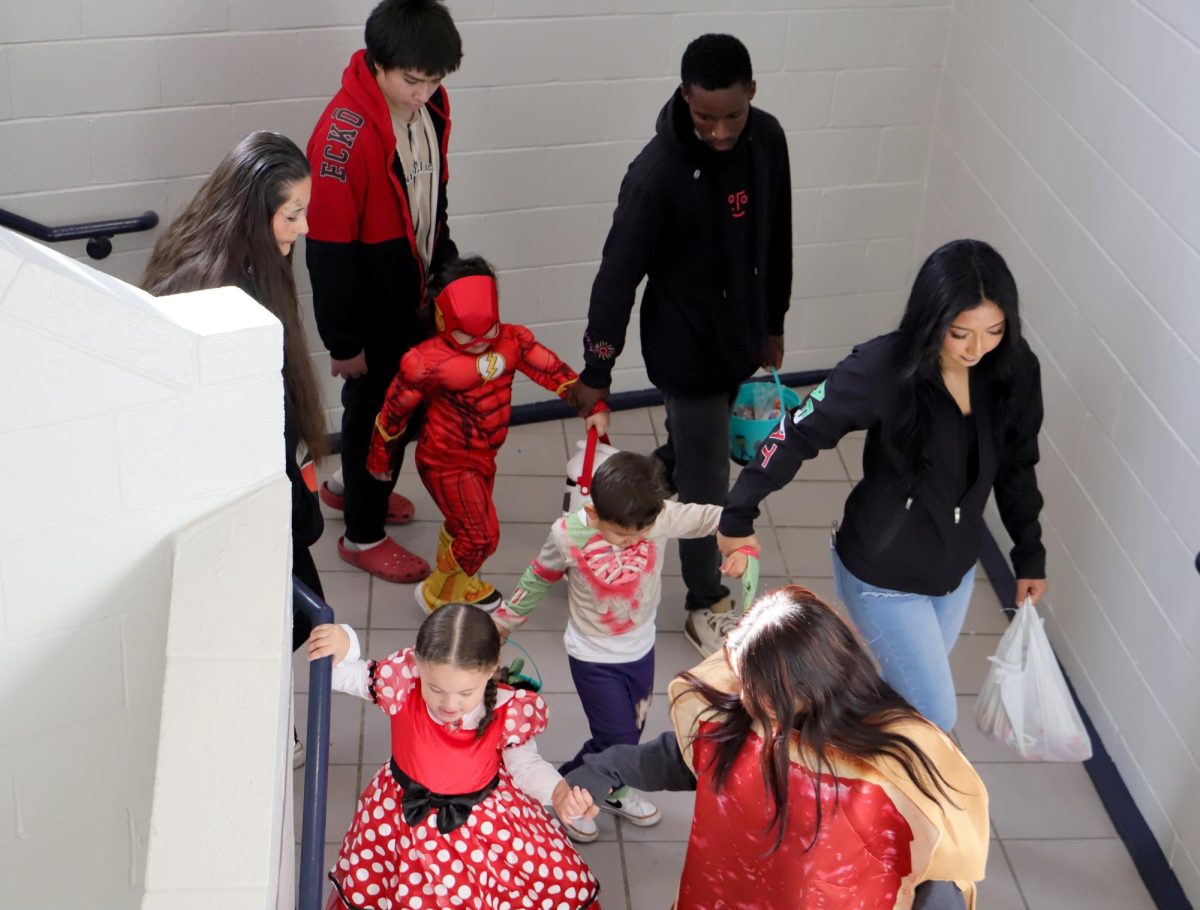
(590, 454)
(1024, 702)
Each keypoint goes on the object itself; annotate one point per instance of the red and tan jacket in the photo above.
(881, 838)
(368, 279)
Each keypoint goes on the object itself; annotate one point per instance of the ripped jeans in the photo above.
(911, 636)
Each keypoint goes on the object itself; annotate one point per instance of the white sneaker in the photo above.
(633, 807)
(706, 630)
(581, 830)
(298, 754)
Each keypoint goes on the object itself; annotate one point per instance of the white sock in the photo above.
(336, 485)
(351, 545)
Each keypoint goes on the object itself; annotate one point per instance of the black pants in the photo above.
(366, 499)
(697, 457)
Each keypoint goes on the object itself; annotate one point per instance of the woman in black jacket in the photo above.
(952, 405)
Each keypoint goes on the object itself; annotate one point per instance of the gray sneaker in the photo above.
(706, 630)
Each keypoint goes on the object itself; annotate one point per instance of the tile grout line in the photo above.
(1012, 871)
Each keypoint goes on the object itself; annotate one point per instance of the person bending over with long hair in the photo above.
(952, 404)
(239, 230)
(817, 784)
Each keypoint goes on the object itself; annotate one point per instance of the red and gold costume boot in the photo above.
(448, 583)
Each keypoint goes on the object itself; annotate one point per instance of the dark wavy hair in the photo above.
(225, 237)
(465, 637)
(796, 660)
(956, 277)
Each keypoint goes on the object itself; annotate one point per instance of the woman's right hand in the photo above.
(729, 545)
(328, 640)
(349, 369)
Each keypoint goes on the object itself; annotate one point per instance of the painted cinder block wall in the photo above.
(116, 106)
(117, 413)
(1067, 133)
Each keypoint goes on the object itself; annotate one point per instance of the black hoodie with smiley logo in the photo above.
(712, 234)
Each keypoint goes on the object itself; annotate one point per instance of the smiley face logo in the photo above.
(490, 365)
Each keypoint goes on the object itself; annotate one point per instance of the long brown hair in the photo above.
(465, 637)
(796, 659)
(224, 237)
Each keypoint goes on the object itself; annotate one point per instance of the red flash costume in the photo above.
(468, 392)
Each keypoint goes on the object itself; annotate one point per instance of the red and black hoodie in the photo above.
(367, 276)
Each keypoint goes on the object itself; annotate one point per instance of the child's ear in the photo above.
(591, 514)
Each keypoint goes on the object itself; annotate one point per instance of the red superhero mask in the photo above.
(468, 305)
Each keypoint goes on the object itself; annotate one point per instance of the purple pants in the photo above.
(615, 699)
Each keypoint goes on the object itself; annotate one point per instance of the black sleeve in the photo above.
(1017, 494)
(628, 251)
(654, 765)
(333, 271)
(779, 249)
(845, 401)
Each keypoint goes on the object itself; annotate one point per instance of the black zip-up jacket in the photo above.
(911, 534)
(696, 339)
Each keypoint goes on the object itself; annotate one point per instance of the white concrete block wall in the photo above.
(111, 107)
(1066, 134)
(123, 420)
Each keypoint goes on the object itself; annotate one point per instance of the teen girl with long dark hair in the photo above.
(240, 230)
(952, 404)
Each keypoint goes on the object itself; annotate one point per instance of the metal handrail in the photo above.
(98, 233)
(316, 768)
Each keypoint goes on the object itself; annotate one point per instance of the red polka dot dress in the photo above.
(492, 848)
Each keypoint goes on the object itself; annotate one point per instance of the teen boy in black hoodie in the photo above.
(705, 212)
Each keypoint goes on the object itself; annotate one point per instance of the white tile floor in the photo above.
(1054, 847)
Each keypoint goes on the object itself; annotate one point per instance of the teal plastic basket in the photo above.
(745, 433)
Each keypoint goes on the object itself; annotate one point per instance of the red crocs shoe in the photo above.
(388, 561)
(400, 508)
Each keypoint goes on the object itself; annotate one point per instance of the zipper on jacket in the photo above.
(957, 514)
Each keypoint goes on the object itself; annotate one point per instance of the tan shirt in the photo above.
(417, 148)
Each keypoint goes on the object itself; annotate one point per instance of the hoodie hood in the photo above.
(675, 126)
(359, 83)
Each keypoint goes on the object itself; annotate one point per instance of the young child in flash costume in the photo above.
(464, 376)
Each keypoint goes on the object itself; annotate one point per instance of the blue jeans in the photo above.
(911, 636)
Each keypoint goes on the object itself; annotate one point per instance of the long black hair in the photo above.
(465, 637)
(957, 276)
(806, 678)
(225, 237)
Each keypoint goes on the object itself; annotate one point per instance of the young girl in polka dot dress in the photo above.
(455, 819)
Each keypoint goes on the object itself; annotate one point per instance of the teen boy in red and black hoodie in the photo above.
(705, 214)
(377, 227)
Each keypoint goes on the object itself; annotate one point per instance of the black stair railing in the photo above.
(99, 234)
(316, 769)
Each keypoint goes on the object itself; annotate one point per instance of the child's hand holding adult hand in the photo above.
(573, 802)
(328, 640)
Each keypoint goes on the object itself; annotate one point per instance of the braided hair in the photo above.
(465, 637)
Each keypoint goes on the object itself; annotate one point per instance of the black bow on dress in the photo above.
(453, 809)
